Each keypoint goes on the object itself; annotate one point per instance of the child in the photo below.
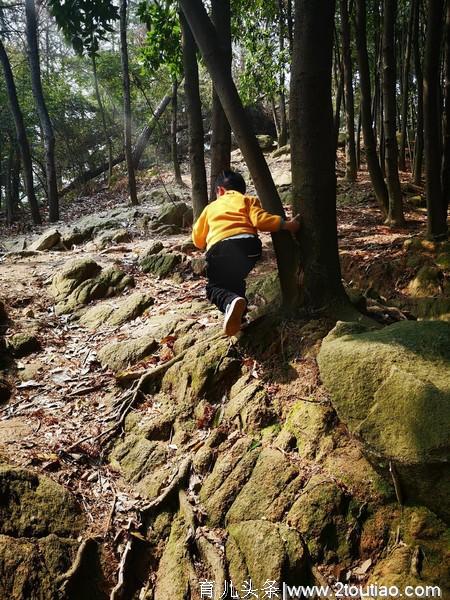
(228, 228)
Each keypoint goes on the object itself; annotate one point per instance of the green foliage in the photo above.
(163, 41)
(84, 22)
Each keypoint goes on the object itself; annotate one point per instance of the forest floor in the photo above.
(61, 400)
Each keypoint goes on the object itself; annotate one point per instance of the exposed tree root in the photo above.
(84, 548)
(179, 478)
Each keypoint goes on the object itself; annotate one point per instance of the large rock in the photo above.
(82, 281)
(176, 213)
(392, 389)
(119, 355)
(48, 240)
(24, 343)
(115, 314)
(161, 264)
(91, 225)
(266, 142)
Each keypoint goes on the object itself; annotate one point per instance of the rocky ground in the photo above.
(143, 453)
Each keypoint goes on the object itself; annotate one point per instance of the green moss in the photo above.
(162, 264)
(23, 344)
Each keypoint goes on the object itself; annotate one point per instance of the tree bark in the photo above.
(418, 149)
(195, 120)
(283, 134)
(221, 131)
(41, 107)
(446, 123)
(173, 134)
(103, 117)
(144, 136)
(405, 88)
(206, 36)
(395, 215)
(313, 152)
(127, 102)
(22, 138)
(350, 147)
(436, 208)
(370, 144)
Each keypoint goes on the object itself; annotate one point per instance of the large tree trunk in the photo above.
(221, 131)
(436, 208)
(173, 134)
(22, 138)
(350, 148)
(206, 36)
(418, 148)
(395, 216)
(41, 107)
(103, 117)
(405, 88)
(127, 102)
(370, 144)
(195, 120)
(313, 152)
(446, 124)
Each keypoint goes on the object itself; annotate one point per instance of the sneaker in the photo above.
(233, 316)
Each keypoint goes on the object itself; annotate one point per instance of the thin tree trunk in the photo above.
(145, 135)
(446, 123)
(41, 107)
(9, 205)
(221, 131)
(127, 102)
(405, 88)
(22, 138)
(276, 121)
(339, 98)
(195, 120)
(436, 208)
(395, 216)
(313, 152)
(370, 144)
(290, 26)
(418, 149)
(206, 36)
(283, 135)
(103, 117)
(350, 148)
(358, 139)
(173, 134)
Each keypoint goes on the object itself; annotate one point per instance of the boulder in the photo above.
(48, 240)
(250, 405)
(23, 344)
(266, 142)
(391, 387)
(115, 314)
(35, 506)
(282, 175)
(198, 265)
(175, 213)
(82, 281)
(161, 264)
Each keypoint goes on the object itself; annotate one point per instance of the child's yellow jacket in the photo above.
(229, 215)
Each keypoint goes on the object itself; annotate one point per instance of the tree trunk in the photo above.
(283, 134)
(221, 131)
(313, 152)
(358, 139)
(144, 136)
(370, 144)
(405, 88)
(173, 134)
(195, 120)
(350, 148)
(418, 149)
(395, 216)
(41, 107)
(22, 138)
(103, 117)
(339, 95)
(446, 123)
(436, 208)
(127, 102)
(206, 36)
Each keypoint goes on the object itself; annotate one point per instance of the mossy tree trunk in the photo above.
(313, 152)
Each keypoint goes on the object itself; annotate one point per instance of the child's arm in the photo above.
(200, 230)
(265, 221)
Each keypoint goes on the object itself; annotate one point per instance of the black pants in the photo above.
(227, 265)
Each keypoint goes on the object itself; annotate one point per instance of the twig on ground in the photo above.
(178, 479)
(396, 482)
(119, 587)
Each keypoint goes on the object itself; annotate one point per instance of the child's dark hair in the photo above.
(230, 180)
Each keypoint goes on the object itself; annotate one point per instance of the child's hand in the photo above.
(293, 225)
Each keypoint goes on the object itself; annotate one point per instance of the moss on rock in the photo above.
(177, 213)
(162, 264)
(23, 344)
(119, 355)
(392, 388)
(115, 314)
